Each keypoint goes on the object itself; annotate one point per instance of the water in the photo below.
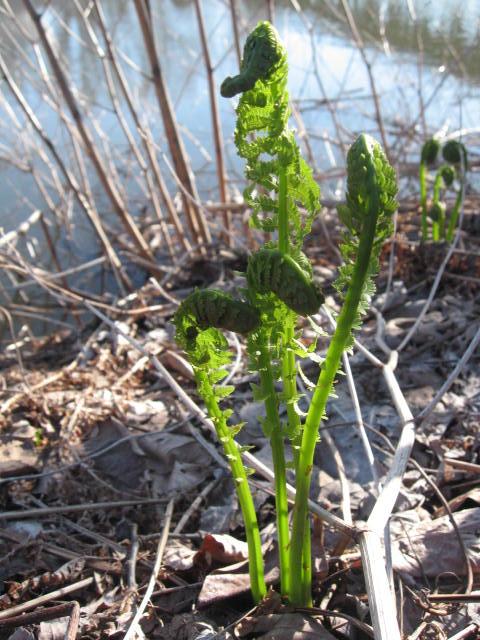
(324, 64)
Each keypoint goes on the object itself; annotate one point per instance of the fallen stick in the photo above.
(132, 629)
(47, 597)
(87, 506)
(72, 609)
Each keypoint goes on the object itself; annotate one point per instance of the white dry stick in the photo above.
(371, 461)
(389, 494)
(58, 594)
(132, 629)
(372, 540)
(466, 633)
(346, 504)
(359, 420)
(22, 229)
(238, 359)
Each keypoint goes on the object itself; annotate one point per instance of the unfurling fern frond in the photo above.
(447, 174)
(213, 308)
(271, 271)
(262, 54)
(437, 212)
(197, 322)
(455, 153)
(371, 193)
(371, 201)
(263, 109)
(430, 151)
(428, 157)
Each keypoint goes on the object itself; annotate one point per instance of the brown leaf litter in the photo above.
(103, 428)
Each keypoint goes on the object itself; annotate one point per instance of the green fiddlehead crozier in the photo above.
(197, 322)
(371, 194)
(213, 308)
(262, 54)
(271, 271)
(428, 156)
(273, 159)
(455, 152)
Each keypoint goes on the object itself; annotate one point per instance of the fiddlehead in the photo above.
(273, 157)
(262, 54)
(437, 212)
(207, 308)
(455, 152)
(371, 193)
(197, 322)
(371, 201)
(447, 174)
(444, 178)
(271, 271)
(428, 157)
(430, 151)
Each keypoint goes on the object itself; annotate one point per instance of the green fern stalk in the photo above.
(283, 240)
(428, 157)
(197, 322)
(370, 203)
(452, 223)
(232, 453)
(444, 178)
(273, 430)
(289, 376)
(280, 181)
(455, 153)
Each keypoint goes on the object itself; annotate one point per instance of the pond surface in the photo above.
(425, 60)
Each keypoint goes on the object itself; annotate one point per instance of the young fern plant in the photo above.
(198, 321)
(371, 201)
(279, 276)
(280, 288)
(455, 153)
(428, 157)
(443, 180)
(455, 157)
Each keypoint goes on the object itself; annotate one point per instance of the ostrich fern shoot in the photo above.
(280, 287)
(455, 156)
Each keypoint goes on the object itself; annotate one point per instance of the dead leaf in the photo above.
(234, 580)
(120, 462)
(458, 501)
(178, 556)
(22, 633)
(222, 548)
(184, 626)
(153, 412)
(219, 586)
(283, 626)
(168, 446)
(218, 518)
(53, 630)
(18, 453)
(431, 547)
(185, 477)
(67, 572)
